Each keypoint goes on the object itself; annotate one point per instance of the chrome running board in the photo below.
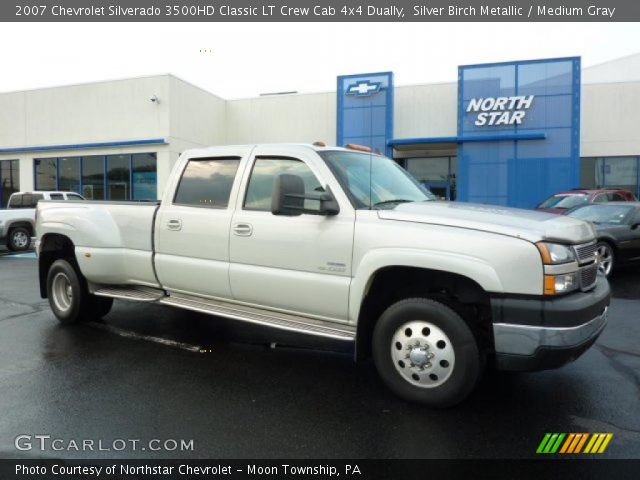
(258, 316)
(135, 293)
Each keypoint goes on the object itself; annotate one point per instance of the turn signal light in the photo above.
(549, 285)
(360, 148)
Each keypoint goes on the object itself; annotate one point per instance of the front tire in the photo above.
(19, 239)
(69, 297)
(426, 353)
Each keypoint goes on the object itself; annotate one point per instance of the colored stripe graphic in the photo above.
(550, 443)
(581, 443)
(573, 443)
(567, 442)
(543, 443)
(603, 447)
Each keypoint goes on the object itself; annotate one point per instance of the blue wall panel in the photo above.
(520, 173)
(365, 110)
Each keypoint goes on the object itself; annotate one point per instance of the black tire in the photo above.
(465, 356)
(16, 239)
(607, 256)
(68, 296)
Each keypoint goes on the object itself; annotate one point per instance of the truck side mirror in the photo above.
(289, 197)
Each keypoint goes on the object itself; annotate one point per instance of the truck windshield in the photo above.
(373, 181)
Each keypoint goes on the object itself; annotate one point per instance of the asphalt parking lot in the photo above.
(244, 398)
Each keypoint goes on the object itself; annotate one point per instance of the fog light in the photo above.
(557, 284)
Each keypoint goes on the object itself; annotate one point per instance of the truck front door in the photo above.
(299, 264)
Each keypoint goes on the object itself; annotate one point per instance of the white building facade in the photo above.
(118, 140)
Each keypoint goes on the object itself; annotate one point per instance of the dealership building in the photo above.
(506, 133)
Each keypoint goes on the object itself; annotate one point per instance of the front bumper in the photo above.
(540, 334)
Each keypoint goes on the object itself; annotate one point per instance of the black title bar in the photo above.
(319, 11)
(316, 469)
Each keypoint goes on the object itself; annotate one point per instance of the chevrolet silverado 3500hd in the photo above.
(342, 244)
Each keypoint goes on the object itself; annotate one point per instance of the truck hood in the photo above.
(530, 225)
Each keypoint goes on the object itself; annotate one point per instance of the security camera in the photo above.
(155, 99)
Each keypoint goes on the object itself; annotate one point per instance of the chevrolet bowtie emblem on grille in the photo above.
(364, 88)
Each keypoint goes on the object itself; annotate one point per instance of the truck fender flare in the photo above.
(473, 268)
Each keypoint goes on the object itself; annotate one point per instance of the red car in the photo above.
(564, 201)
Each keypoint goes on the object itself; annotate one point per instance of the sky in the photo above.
(236, 60)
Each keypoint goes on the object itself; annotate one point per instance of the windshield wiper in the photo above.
(388, 202)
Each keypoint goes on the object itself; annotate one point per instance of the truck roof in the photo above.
(318, 147)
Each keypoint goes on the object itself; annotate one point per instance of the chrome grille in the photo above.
(586, 252)
(588, 276)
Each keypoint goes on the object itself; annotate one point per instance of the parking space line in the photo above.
(148, 338)
(18, 255)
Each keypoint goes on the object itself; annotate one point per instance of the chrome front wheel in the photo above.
(423, 354)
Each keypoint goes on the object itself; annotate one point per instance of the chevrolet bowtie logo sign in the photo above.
(364, 88)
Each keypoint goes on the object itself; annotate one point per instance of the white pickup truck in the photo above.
(17, 221)
(343, 244)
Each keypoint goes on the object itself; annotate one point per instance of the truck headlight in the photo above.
(555, 253)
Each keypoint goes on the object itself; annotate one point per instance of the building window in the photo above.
(46, 173)
(611, 172)
(144, 176)
(93, 177)
(438, 174)
(118, 177)
(9, 180)
(99, 177)
(69, 174)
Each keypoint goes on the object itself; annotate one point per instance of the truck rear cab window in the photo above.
(15, 201)
(207, 182)
(26, 200)
(265, 170)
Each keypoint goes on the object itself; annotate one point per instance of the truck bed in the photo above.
(113, 239)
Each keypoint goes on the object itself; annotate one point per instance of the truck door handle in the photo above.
(174, 225)
(243, 229)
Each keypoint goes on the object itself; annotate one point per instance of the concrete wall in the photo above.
(426, 110)
(610, 119)
(105, 111)
(420, 110)
(294, 118)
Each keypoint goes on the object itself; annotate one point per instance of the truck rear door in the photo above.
(192, 228)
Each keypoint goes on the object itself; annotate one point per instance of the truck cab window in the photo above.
(15, 201)
(207, 182)
(265, 171)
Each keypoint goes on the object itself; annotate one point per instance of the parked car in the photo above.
(617, 229)
(342, 244)
(564, 201)
(17, 221)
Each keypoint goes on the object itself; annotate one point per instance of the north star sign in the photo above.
(364, 88)
(494, 111)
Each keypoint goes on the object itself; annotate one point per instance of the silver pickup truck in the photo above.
(17, 221)
(344, 244)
